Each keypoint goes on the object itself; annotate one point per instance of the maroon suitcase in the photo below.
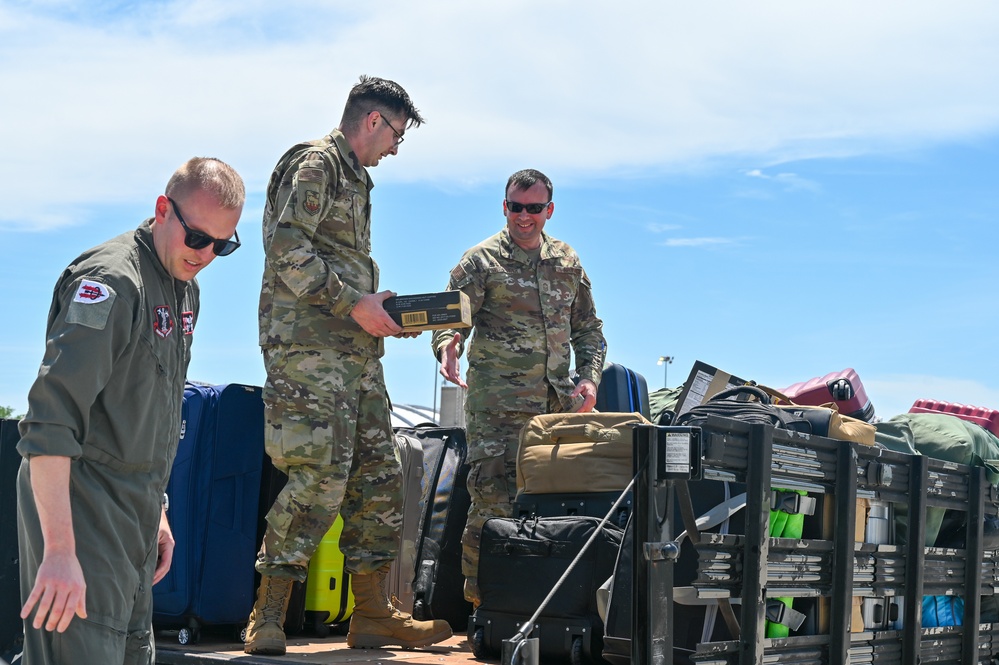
(987, 418)
(844, 388)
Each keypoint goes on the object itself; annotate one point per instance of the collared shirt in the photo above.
(527, 318)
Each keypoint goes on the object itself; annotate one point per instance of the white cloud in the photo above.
(787, 181)
(102, 107)
(657, 227)
(697, 242)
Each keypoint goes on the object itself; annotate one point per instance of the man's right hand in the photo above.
(450, 364)
(370, 314)
(59, 594)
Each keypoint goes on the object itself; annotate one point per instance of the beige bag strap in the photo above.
(590, 432)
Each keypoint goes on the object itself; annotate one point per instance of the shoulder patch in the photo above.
(91, 292)
(91, 304)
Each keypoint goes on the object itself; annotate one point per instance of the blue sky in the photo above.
(779, 189)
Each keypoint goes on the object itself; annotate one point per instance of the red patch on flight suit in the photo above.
(187, 323)
(162, 321)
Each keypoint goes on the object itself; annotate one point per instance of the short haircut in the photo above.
(377, 94)
(527, 178)
(210, 175)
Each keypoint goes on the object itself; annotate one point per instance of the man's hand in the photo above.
(588, 390)
(370, 314)
(164, 548)
(60, 592)
(450, 364)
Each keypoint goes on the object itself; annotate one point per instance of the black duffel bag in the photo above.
(748, 404)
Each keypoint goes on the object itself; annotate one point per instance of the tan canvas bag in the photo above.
(576, 452)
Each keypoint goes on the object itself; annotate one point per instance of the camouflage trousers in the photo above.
(493, 441)
(328, 427)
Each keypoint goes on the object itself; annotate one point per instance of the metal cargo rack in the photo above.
(829, 566)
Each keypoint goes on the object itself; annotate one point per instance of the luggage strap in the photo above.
(791, 502)
(778, 612)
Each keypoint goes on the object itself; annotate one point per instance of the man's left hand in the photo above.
(588, 391)
(164, 547)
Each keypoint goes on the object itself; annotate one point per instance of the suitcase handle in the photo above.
(526, 547)
(589, 432)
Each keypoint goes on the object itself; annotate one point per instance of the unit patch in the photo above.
(91, 304)
(187, 323)
(311, 203)
(92, 292)
(162, 321)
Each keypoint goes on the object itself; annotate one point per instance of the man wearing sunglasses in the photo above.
(103, 423)
(328, 423)
(531, 303)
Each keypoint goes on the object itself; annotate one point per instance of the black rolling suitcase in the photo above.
(622, 390)
(11, 627)
(438, 588)
(521, 560)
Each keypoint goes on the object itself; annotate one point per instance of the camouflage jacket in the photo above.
(525, 319)
(317, 249)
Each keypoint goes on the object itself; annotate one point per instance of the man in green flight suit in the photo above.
(531, 304)
(326, 407)
(103, 424)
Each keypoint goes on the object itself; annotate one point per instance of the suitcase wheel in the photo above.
(576, 651)
(320, 627)
(420, 610)
(191, 635)
(477, 642)
(841, 390)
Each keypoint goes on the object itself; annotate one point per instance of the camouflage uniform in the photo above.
(118, 343)
(326, 406)
(527, 315)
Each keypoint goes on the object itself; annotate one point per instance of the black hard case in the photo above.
(11, 628)
(520, 562)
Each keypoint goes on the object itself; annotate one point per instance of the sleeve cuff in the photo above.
(345, 301)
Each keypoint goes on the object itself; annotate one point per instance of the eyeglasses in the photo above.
(198, 240)
(398, 137)
(532, 208)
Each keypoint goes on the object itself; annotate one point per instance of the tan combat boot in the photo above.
(265, 630)
(377, 623)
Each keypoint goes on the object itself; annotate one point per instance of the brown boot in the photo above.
(377, 623)
(265, 630)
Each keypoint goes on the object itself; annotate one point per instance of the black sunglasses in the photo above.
(199, 240)
(532, 208)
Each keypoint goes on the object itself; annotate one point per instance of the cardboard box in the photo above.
(430, 311)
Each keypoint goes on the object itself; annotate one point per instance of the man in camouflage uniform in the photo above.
(103, 424)
(531, 303)
(326, 407)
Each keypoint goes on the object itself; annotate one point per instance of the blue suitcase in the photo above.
(622, 390)
(214, 494)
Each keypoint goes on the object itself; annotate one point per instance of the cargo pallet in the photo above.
(829, 571)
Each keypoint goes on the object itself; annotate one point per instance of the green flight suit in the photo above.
(108, 396)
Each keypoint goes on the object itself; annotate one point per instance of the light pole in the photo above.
(665, 362)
